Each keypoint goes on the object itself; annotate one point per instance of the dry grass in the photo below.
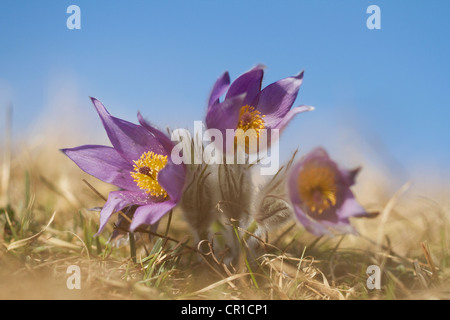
(409, 240)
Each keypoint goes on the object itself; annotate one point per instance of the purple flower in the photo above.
(139, 163)
(320, 194)
(246, 106)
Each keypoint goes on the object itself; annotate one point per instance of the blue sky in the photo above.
(383, 91)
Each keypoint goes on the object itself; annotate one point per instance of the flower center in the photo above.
(317, 187)
(145, 173)
(249, 118)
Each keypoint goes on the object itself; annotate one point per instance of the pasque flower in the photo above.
(138, 163)
(245, 106)
(320, 194)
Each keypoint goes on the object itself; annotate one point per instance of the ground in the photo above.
(47, 224)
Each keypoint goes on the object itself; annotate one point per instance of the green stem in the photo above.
(245, 257)
(98, 245)
(132, 247)
(167, 228)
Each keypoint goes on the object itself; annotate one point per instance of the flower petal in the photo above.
(151, 213)
(219, 88)
(318, 154)
(163, 139)
(117, 200)
(277, 98)
(349, 176)
(172, 178)
(312, 226)
(350, 208)
(248, 83)
(104, 163)
(340, 227)
(274, 122)
(225, 115)
(292, 183)
(129, 139)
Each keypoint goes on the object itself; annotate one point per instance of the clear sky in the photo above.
(384, 91)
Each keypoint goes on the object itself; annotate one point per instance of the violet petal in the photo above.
(225, 115)
(349, 176)
(350, 207)
(129, 139)
(104, 163)
(117, 200)
(172, 178)
(163, 139)
(248, 83)
(312, 226)
(340, 227)
(277, 98)
(292, 183)
(219, 88)
(150, 213)
(273, 122)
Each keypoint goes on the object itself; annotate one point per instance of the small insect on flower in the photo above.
(138, 162)
(320, 194)
(248, 110)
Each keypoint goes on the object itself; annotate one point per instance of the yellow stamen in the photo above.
(145, 173)
(249, 118)
(317, 187)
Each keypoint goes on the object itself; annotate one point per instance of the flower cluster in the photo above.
(314, 189)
